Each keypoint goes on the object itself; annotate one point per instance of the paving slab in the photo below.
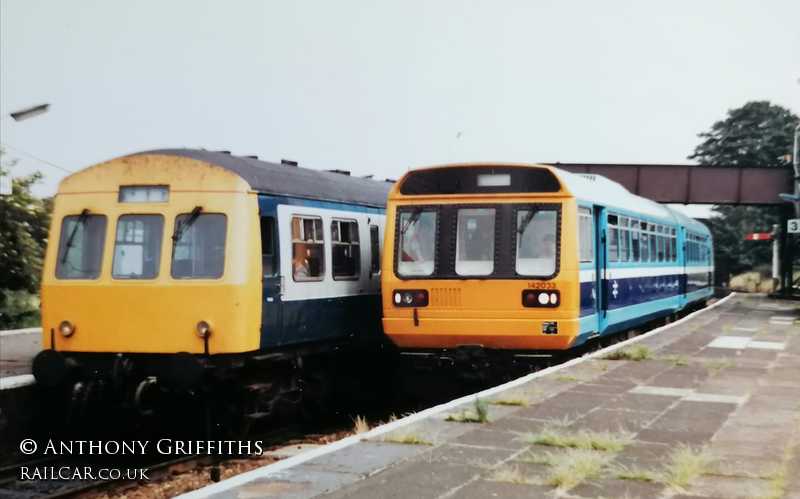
(483, 489)
(615, 488)
(17, 349)
(716, 392)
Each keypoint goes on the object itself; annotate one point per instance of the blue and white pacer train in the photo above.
(521, 258)
(647, 259)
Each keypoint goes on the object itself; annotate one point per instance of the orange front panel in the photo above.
(487, 312)
(157, 315)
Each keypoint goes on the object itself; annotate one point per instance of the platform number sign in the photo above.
(793, 226)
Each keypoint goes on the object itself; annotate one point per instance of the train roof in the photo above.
(603, 191)
(689, 222)
(606, 192)
(289, 180)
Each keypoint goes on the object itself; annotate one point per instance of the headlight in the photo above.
(66, 329)
(203, 329)
(410, 298)
(535, 298)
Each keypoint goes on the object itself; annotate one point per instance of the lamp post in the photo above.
(6, 186)
(29, 112)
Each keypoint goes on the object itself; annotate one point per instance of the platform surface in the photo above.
(712, 412)
(17, 349)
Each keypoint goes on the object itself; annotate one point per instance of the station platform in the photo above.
(18, 347)
(711, 409)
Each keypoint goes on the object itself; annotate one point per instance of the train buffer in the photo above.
(708, 406)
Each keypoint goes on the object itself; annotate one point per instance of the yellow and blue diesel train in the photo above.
(179, 270)
(521, 261)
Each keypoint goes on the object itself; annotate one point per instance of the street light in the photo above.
(30, 112)
(6, 186)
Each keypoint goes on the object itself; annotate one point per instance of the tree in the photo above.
(24, 222)
(757, 134)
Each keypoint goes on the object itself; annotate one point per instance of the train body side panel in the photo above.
(329, 309)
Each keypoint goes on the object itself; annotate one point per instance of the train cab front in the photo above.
(149, 282)
(478, 262)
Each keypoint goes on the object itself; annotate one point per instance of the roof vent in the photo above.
(288, 162)
(252, 156)
(340, 172)
(369, 177)
(223, 152)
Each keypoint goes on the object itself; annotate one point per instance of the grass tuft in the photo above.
(360, 425)
(635, 353)
(511, 401)
(677, 360)
(586, 440)
(567, 378)
(407, 439)
(573, 466)
(510, 474)
(686, 464)
(478, 414)
(635, 474)
(715, 366)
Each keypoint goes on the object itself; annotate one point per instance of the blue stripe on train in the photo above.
(635, 290)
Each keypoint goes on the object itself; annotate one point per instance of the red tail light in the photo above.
(410, 298)
(543, 299)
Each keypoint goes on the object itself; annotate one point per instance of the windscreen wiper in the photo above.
(411, 220)
(181, 227)
(526, 221)
(81, 220)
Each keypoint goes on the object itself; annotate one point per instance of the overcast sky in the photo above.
(378, 87)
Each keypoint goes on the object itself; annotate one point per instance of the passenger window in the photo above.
(375, 249)
(417, 242)
(667, 247)
(198, 251)
(346, 249)
(308, 245)
(673, 243)
(635, 240)
(475, 241)
(585, 240)
(653, 244)
(137, 248)
(645, 244)
(80, 248)
(613, 239)
(623, 239)
(536, 242)
(269, 265)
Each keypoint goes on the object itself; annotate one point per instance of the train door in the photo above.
(682, 255)
(601, 263)
(271, 279)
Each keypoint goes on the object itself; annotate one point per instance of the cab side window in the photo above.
(375, 249)
(585, 240)
(268, 255)
(308, 249)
